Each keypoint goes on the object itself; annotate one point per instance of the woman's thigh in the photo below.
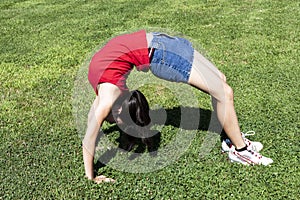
(205, 76)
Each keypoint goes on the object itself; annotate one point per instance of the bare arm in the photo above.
(101, 107)
(96, 117)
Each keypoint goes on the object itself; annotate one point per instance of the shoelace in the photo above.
(248, 133)
(248, 142)
(255, 153)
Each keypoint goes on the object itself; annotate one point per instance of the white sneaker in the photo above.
(248, 157)
(255, 146)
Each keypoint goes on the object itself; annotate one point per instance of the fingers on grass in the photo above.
(103, 179)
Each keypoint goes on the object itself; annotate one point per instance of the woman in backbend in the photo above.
(170, 58)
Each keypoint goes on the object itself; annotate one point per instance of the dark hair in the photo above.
(136, 105)
(136, 120)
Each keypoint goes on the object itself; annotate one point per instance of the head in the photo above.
(131, 113)
(135, 109)
(131, 108)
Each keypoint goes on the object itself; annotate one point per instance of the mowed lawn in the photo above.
(45, 48)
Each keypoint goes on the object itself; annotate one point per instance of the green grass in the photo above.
(45, 43)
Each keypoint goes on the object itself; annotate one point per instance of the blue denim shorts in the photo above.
(172, 58)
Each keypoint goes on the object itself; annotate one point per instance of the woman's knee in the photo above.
(223, 77)
(224, 94)
(228, 91)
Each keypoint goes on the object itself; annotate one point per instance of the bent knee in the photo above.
(228, 91)
(224, 94)
(223, 77)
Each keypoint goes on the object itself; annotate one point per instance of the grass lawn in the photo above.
(45, 45)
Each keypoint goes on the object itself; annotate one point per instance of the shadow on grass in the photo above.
(128, 143)
(187, 118)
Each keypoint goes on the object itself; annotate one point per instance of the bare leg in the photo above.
(205, 76)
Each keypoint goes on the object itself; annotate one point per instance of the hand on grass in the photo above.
(103, 179)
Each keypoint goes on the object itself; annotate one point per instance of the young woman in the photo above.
(170, 58)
